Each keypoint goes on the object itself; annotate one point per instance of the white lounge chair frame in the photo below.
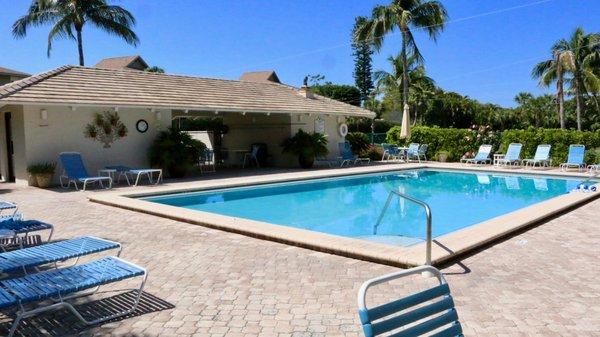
(62, 303)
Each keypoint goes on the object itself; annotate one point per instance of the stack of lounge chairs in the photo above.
(32, 283)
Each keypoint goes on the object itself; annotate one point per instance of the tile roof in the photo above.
(83, 86)
(6, 71)
(123, 62)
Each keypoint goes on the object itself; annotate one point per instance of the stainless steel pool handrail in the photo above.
(427, 215)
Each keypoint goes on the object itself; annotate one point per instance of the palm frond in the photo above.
(431, 16)
(114, 20)
(61, 29)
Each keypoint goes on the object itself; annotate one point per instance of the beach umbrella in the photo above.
(405, 129)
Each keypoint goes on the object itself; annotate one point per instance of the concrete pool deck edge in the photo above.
(444, 248)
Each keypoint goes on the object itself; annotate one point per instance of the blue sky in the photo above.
(486, 57)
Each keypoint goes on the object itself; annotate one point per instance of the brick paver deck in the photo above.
(543, 282)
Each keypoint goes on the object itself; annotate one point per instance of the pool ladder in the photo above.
(427, 216)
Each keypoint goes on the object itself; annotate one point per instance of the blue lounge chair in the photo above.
(74, 172)
(512, 157)
(22, 259)
(19, 226)
(575, 158)
(482, 156)
(432, 309)
(541, 157)
(31, 294)
(347, 157)
(8, 206)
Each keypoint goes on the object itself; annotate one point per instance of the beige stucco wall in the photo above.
(63, 131)
(307, 123)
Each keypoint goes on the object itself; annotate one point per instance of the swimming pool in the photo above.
(350, 206)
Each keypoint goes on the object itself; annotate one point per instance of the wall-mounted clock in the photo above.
(141, 126)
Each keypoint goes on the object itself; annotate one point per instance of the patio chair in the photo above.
(74, 172)
(53, 289)
(33, 257)
(390, 152)
(426, 312)
(541, 157)
(252, 156)
(512, 157)
(482, 156)
(206, 161)
(575, 158)
(127, 172)
(595, 168)
(349, 158)
(412, 151)
(20, 226)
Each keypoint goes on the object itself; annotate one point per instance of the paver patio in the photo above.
(543, 282)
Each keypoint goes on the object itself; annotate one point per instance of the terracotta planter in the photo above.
(306, 162)
(443, 157)
(32, 180)
(44, 180)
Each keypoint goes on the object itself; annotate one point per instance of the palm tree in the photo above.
(392, 82)
(554, 70)
(582, 47)
(575, 56)
(68, 18)
(403, 15)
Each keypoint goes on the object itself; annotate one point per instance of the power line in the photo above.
(320, 50)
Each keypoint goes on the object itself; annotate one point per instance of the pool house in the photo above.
(47, 113)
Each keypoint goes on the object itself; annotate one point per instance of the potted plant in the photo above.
(42, 173)
(175, 152)
(31, 178)
(306, 146)
(442, 156)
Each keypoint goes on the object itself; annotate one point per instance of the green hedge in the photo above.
(457, 142)
(559, 139)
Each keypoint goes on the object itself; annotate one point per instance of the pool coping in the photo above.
(444, 247)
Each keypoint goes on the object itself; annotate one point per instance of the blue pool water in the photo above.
(350, 206)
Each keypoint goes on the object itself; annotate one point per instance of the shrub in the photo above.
(456, 142)
(306, 146)
(359, 142)
(41, 168)
(559, 139)
(373, 152)
(175, 151)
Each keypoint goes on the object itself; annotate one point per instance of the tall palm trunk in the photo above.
(404, 72)
(578, 100)
(560, 92)
(80, 46)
